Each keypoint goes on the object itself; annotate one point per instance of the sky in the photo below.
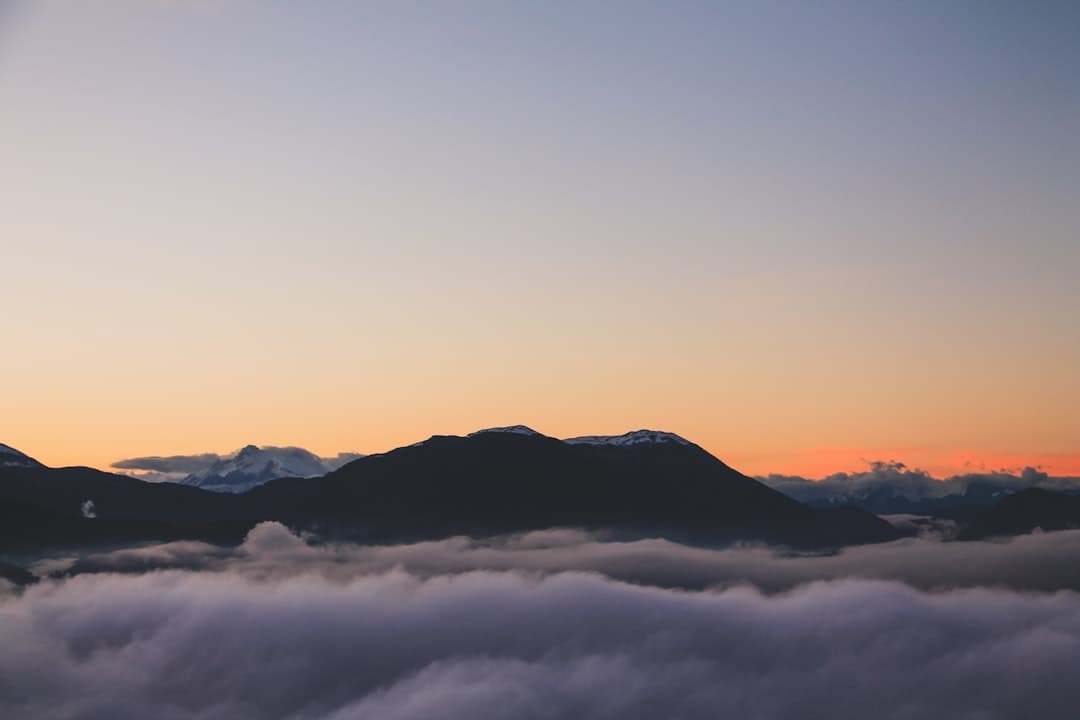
(804, 236)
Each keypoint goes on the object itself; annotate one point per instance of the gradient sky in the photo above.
(799, 234)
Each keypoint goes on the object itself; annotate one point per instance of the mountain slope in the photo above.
(45, 506)
(495, 482)
(1025, 511)
(12, 458)
(28, 526)
(890, 488)
(491, 482)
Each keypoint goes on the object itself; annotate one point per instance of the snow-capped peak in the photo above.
(253, 451)
(512, 429)
(10, 457)
(637, 437)
(253, 465)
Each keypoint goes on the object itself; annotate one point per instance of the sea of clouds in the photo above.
(559, 624)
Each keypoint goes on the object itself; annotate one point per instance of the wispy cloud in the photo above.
(169, 463)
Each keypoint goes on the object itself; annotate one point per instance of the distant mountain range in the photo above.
(893, 488)
(1025, 511)
(236, 472)
(496, 481)
(12, 458)
(252, 466)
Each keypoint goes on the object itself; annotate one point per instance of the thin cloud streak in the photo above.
(169, 463)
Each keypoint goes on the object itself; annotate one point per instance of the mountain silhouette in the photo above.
(253, 465)
(10, 457)
(491, 482)
(502, 481)
(41, 506)
(1025, 511)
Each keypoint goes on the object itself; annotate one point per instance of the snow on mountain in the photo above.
(512, 429)
(10, 457)
(253, 466)
(637, 437)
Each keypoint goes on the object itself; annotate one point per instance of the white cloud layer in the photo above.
(279, 628)
(1039, 562)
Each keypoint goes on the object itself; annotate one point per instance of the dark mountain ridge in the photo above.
(1024, 512)
(496, 482)
(487, 483)
(10, 457)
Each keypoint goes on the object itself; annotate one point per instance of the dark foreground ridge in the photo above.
(1025, 511)
(493, 482)
(498, 482)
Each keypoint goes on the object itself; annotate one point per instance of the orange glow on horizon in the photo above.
(424, 241)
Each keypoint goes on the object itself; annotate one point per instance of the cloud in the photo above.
(399, 645)
(180, 464)
(1038, 562)
(172, 468)
(895, 479)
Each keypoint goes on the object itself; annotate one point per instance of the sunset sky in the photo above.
(802, 235)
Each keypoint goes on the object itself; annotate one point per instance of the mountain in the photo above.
(515, 479)
(637, 437)
(893, 488)
(253, 466)
(10, 457)
(501, 480)
(29, 526)
(1024, 512)
(45, 507)
(514, 429)
(887, 499)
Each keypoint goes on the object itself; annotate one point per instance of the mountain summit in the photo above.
(252, 466)
(504, 480)
(513, 429)
(645, 483)
(10, 457)
(637, 437)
